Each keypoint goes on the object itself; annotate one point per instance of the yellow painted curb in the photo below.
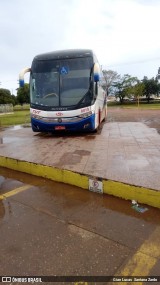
(49, 172)
(129, 192)
(118, 189)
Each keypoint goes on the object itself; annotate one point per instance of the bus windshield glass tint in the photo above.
(60, 83)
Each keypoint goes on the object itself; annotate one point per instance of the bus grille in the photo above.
(57, 120)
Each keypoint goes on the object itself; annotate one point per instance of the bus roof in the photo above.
(62, 54)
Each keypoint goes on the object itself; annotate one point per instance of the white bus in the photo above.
(66, 91)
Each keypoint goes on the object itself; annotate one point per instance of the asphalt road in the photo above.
(49, 228)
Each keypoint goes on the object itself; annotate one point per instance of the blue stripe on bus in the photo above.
(84, 124)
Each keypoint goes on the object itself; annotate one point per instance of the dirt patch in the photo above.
(149, 117)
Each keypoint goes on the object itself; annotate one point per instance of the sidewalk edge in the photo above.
(128, 192)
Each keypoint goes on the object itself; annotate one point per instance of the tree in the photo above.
(151, 87)
(14, 98)
(124, 87)
(137, 90)
(23, 94)
(110, 77)
(6, 97)
(158, 93)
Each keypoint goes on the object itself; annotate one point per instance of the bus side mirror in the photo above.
(21, 76)
(96, 72)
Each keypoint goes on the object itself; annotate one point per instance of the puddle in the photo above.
(71, 197)
(17, 127)
(4, 140)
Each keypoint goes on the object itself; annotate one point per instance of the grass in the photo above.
(145, 106)
(17, 118)
(132, 105)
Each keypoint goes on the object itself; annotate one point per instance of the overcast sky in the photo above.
(125, 34)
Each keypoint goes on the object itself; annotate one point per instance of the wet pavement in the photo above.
(127, 152)
(150, 117)
(57, 229)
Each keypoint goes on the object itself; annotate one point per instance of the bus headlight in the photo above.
(85, 115)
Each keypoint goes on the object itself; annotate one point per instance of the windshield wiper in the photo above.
(89, 95)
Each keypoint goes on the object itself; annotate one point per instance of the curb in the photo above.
(128, 192)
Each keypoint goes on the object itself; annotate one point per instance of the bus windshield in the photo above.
(61, 83)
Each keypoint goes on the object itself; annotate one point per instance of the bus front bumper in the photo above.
(87, 124)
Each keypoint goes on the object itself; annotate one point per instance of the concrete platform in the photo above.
(124, 157)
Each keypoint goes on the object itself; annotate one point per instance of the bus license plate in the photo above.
(60, 128)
